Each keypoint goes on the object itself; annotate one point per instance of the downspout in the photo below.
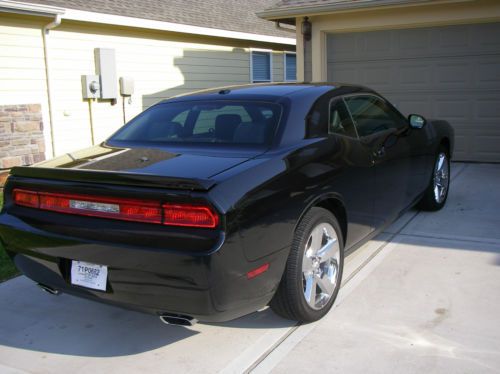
(45, 32)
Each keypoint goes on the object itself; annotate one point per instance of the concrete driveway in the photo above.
(422, 296)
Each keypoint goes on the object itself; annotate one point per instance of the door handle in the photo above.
(379, 153)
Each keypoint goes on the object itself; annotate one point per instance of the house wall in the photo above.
(22, 68)
(162, 64)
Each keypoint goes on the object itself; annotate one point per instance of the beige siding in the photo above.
(278, 67)
(161, 64)
(22, 68)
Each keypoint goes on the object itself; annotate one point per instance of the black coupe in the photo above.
(213, 205)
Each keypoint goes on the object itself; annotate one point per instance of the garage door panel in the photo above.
(488, 109)
(417, 75)
(453, 110)
(413, 42)
(451, 72)
(448, 41)
(487, 73)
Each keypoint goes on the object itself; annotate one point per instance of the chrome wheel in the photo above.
(441, 177)
(320, 265)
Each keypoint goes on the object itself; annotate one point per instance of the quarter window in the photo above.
(339, 121)
(261, 66)
(372, 115)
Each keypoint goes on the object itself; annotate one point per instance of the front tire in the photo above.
(436, 194)
(313, 272)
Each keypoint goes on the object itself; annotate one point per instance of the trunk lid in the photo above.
(140, 166)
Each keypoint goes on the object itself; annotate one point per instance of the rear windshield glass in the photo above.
(230, 122)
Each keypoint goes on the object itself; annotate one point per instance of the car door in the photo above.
(353, 162)
(384, 135)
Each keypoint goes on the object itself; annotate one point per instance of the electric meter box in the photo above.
(90, 87)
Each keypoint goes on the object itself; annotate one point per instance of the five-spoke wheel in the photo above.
(314, 268)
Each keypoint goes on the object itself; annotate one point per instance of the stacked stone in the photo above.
(21, 135)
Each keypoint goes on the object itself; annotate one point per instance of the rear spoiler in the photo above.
(112, 177)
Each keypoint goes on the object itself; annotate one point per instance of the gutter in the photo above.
(111, 19)
(344, 5)
(8, 6)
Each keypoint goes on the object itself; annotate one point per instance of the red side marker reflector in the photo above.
(256, 272)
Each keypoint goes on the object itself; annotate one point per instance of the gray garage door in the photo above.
(450, 72)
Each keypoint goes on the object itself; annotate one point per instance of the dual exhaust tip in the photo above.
(169, 319)
(177, 319)
(49, 289)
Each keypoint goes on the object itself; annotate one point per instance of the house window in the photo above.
(261, 66)
(290, 67)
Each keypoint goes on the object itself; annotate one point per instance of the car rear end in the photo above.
(166, 251)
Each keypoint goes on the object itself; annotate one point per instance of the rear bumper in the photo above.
(209, 286)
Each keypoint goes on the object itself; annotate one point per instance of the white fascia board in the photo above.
(110, 19)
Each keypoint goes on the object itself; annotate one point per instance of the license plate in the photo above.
(89, 275)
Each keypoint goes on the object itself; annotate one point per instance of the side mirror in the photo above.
(416, 121)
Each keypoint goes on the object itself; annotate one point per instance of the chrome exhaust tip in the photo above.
(49, 289)
(179, 320)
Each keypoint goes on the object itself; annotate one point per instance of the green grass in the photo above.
(7, 268)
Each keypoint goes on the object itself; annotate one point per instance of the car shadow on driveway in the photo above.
(33, 320)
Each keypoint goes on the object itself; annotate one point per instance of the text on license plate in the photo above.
(89, 275)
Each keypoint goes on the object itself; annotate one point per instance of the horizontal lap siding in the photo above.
(450, 72)
(22, 69)
(161, 64)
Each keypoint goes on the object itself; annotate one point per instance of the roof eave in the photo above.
(111, 19)
(320, 9)
(8, 6)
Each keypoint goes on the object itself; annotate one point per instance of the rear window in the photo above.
(230, 122)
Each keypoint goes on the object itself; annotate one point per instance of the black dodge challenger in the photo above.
(213, 205)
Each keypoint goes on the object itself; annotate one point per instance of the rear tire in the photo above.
(311, 280)
(436, 194)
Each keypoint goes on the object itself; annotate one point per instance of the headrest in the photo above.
(225, 125)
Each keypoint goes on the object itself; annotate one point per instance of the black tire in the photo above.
(289, 300)
(429, 200)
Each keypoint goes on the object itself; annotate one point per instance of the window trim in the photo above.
(284, 66)
(270, 51)
(360, 94)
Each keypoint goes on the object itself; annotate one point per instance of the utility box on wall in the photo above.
(90, 87)
(105, 63)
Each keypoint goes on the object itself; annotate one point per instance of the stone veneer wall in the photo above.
(21, 135)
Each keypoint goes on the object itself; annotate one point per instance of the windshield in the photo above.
(229, 122)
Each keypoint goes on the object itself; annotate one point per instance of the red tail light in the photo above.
(189, 215)
(26, 198)
(119, 208)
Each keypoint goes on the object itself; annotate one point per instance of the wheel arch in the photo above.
(335, 205)
(445, 142)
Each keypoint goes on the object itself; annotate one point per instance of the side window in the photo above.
(339, 121)
(372, 115)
